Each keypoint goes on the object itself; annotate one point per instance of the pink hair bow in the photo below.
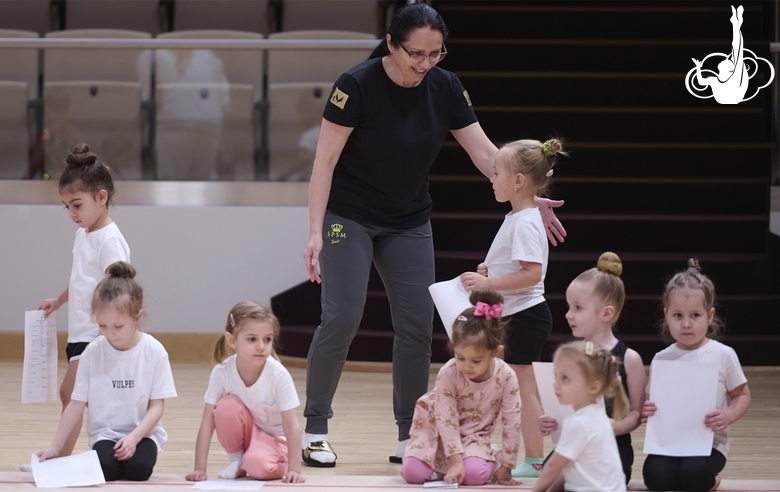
(488, 311)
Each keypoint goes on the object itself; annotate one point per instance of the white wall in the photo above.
(193, 262)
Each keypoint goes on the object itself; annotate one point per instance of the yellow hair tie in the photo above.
(546, 149)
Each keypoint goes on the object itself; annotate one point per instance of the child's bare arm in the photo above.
(529, 276)
(202, 445)
(70, 417)
(292, 431)
(53, 304)
(125, 447)
(740, 402)
(551, 478)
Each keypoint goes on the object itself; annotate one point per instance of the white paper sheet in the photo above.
(683, 393)
(228, 485)
(450, 299)
(78, 470)
(440, 484)
(39, 376)
(545, 377)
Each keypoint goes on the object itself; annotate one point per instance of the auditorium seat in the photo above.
(240, 15)
(339, 15)
(205, 131)
(295, 114)
(136, 15)
(30, 15)
(313, 65)
(104, 114)
(15, 136)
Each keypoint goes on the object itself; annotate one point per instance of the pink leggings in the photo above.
(265, 457)
(478, 471)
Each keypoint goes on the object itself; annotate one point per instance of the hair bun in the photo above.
(488, 296)
(80, 156)
(556, 146)
(694, 263)
(610, 262)
(120, 269)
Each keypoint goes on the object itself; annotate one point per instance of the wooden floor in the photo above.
(362, 431)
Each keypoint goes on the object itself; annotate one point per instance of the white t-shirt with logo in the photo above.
(118, 384)
(93, 253)
(520, 238)
(272, 393)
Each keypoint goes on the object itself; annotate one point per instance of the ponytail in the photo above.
(220, 350)
(614, 389)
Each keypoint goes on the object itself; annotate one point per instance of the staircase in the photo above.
(655, 174)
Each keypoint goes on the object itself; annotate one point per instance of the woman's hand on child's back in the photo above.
(197, 476)
(648, 410)
(49, 305)
(124, 449)
(293, 476)
(547, 425)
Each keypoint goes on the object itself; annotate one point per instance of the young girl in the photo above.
(124, 375)
(86, 189)
(586, 457)
(452, 424)
(689, 317)
(516, 265)
(251, 402)
(595, 299)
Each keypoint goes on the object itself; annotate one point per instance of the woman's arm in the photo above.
(332, 140)
(478, 146)
(529, 276)
(202, 445)
(125, 447)
(292, 431)
(70, 417)
(635, 375)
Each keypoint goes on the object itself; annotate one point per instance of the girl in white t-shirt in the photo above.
(586, 458)
(251, 402)
(124, 375)
(515, 266)
(690, 320)
(86, 188)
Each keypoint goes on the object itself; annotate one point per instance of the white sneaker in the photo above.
(25, 467)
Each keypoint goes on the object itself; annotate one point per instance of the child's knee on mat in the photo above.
(265, 470)
(414, 470)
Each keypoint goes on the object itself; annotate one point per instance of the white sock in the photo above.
(25, 467)
(321, 456)
(399, 451)
(234, 469)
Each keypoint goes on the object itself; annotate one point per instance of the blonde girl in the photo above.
(595, 299)
(452, 424)
(250, 402)
(586, 457)
(86, 188)
(691, 323)
(124, 375)
(516, 265)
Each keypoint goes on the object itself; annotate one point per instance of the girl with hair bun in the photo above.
(86, 187)
(586, 457)
(452, 424)
(125, 377)
(595, 299)
(691, 322)
(516, 265)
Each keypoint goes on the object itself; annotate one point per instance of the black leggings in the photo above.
(691, 474)
(138, 468)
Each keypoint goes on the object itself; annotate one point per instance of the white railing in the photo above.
(203, 44)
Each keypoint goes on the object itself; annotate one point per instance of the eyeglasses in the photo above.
(435, 56)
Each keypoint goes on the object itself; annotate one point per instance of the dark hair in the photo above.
(478, 330)
(84, 171)
(406, 20)
(692, 279)
(119, 290)
(245, 310)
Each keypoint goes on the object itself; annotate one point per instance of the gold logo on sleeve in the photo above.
(466, 95)
(339, 99)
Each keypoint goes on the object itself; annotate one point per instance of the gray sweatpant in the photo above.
(404, 259)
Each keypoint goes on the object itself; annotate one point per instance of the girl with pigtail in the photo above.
(595, 299)
(453, 423)
(250, 402)
(691, 323)
(586, 456)
(516, 265)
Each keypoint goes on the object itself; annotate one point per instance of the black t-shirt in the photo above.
(381, 177)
